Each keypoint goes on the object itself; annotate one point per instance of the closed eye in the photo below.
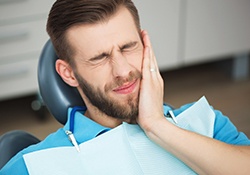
(99, 57)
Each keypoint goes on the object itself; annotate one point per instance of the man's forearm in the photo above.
(203, 154)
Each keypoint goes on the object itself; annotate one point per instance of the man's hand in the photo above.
(151, 89)
(204, 155)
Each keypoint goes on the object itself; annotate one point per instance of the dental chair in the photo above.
(56, 95)
(12, 142)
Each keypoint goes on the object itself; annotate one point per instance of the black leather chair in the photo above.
(56, 95)
(12, 142)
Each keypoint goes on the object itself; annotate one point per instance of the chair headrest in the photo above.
(55, 93)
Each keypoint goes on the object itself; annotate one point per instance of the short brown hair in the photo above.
(65, 14)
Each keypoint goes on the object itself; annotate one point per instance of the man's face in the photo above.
(108, 64)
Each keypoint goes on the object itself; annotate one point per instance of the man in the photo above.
(109, 59)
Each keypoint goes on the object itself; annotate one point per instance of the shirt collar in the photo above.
(85, 128)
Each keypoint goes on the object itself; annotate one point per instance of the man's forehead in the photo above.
(96, 38)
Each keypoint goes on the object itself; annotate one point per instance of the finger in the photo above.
(147, 43)
(146, 62)
(149, 54)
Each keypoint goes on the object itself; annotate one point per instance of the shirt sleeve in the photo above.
(225, 130)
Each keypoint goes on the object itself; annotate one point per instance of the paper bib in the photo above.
(124, 150)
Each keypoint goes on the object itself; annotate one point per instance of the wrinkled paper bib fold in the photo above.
(123, 150)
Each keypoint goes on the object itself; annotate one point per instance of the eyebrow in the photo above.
(128, 45)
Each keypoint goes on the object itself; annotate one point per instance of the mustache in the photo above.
(119, 81)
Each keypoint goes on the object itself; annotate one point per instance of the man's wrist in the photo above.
(155, 126)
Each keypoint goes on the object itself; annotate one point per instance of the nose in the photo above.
(120, 66)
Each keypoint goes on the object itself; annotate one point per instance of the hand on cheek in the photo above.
(151, 92)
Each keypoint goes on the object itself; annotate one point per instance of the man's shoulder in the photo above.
(224, 129)
(227, 132)
(55, 139)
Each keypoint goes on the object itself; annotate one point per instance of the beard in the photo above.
(125, 110)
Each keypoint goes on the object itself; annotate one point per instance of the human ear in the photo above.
(66, 72)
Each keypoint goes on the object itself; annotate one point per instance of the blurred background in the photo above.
(202, 48)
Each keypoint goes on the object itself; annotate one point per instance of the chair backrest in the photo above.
(12, 142)
(56, 94)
